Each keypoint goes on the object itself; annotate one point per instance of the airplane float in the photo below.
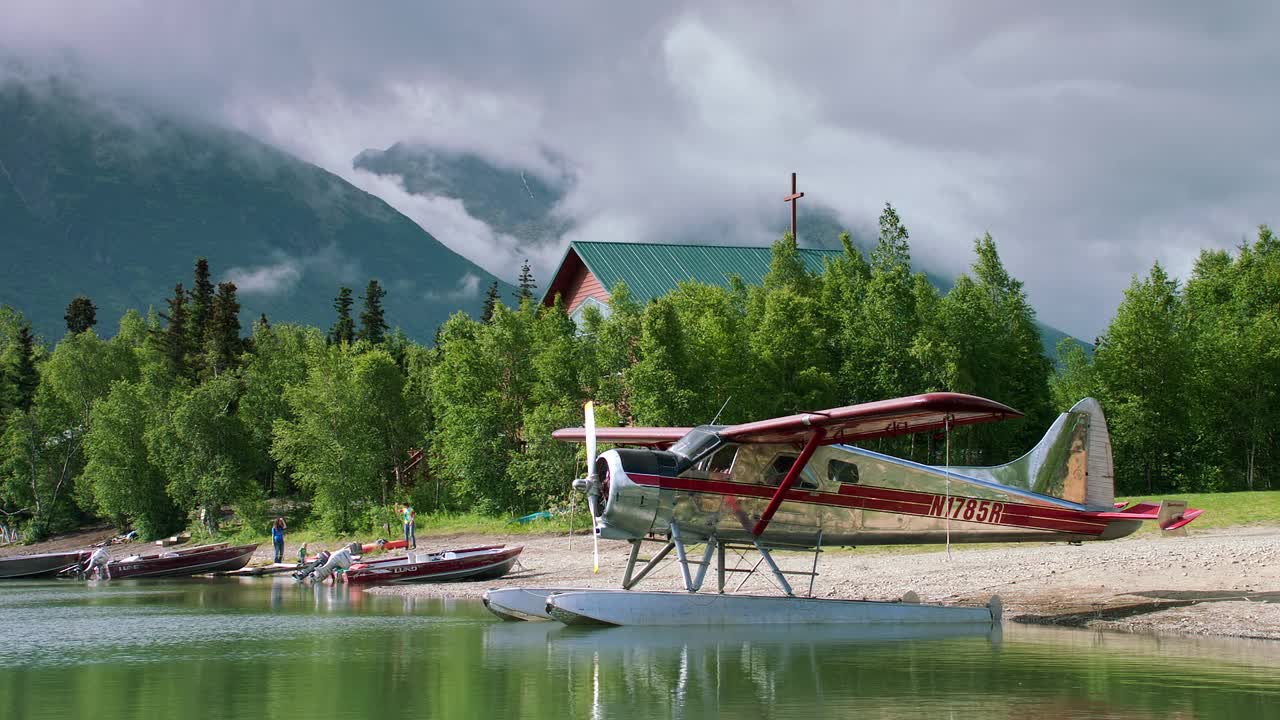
(799, 482)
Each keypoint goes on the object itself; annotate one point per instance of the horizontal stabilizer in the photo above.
(1170, 515)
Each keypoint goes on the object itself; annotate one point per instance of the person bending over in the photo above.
(339, 559)
(99, 561)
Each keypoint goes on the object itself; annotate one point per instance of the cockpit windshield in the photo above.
(696, 443)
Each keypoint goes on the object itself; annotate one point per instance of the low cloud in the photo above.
(283, 273)
(273, 279)
(467, 288)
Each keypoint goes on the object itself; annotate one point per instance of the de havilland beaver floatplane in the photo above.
(800, 483)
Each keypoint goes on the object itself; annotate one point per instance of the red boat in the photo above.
(191, 561)
(477, 563)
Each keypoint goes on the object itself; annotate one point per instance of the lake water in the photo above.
(261, 648)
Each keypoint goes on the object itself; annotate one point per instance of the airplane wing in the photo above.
(853, 423)
(884, 418)
(641, 436)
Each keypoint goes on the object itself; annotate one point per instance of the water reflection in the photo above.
(269, 647)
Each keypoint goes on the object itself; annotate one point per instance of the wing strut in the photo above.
(810, 445)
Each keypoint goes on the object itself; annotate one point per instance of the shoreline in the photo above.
(1210, 583)
(1221, 583)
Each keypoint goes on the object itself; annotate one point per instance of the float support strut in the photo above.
(720, 566)
(706, 563)
(684, 560)
(777, 573)
(631, 562)
(648, 567)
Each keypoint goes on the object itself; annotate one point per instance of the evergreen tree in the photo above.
(25, 376)
(81, 315)
(889, 322)
(842, 287)
(201, 305)
(490, 302)
(223, 346)
(1142, 368)
(525, 284)
(373, 324)
(344, 329)
(175, 339)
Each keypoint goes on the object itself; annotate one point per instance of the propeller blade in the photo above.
(590, 410)
(595, 534)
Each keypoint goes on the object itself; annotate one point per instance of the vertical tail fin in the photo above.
(1101, 486)
(1072, 461)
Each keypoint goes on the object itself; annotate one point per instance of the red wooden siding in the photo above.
(574, 283)
(583, 286)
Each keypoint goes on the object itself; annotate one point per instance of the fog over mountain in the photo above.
(117, 203)
(1089, 140)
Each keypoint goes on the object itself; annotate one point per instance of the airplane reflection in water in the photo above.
(920, 671)
(698, 667)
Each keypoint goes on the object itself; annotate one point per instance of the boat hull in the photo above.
(627, 607)
(193, 561)
(43, 565)
(471, 564)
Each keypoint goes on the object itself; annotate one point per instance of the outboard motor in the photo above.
(309, 569)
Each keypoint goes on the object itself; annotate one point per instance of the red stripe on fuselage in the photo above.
(888, 500)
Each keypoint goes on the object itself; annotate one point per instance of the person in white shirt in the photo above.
(99, 560)
(339, 559)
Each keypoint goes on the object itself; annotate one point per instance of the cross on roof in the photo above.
(792, 198)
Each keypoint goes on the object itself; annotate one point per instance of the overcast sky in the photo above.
(1091, 140)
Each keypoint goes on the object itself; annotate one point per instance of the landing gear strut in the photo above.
(714, 546)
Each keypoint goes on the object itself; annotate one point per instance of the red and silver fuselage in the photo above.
(1059, 491)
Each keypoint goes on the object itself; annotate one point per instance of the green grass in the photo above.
(428, 526)
(1222, 510)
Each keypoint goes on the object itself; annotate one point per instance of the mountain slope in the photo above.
(512, 201)
(116, 204)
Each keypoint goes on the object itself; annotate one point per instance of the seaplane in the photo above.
(802, 482)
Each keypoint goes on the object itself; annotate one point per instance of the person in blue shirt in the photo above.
(277, 538)
(408, 516)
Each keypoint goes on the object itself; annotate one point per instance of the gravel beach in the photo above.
(1224, 583)
(1210, 583)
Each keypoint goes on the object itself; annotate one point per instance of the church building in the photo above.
(650, 270)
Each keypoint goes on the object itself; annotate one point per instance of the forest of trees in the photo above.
(180, 411)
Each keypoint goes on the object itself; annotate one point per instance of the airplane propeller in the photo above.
(591, 483)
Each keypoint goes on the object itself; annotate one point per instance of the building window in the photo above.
(604, 309)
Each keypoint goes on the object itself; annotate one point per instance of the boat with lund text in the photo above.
(478, 563)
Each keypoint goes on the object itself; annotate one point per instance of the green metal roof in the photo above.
(651, 270)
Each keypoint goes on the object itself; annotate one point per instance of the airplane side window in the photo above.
(722, 461)
(842, 472)
(778, 470)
